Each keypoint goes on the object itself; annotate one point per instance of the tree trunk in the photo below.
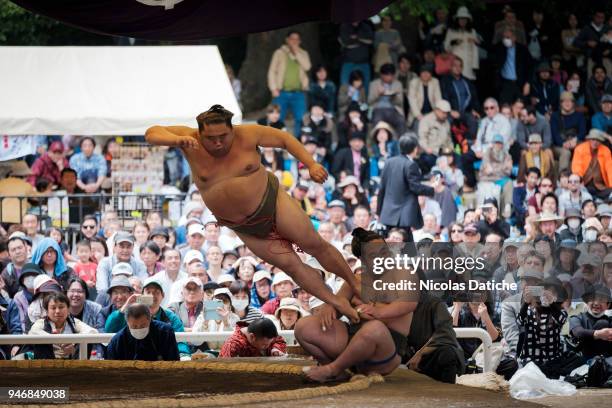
(260, 47)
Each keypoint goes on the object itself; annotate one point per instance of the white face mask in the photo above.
(507, 42)
(317, 119)
(28, 282)
(595, 315)
(36, 311)
(590, 235)
(240, 304)
(139, 334)
(573, 223)
(573, 85)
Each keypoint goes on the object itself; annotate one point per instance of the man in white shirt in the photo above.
(492, 124)
(170, 274)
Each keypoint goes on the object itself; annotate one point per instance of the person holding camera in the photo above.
(567, 127)
(540, 320)
(490, 221)
(143, 338)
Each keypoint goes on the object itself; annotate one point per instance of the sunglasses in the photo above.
(489, 107)
(89, 226)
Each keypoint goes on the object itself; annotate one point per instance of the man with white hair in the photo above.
(492, 124)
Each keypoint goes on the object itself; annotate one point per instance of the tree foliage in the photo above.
(427, 8)
(20, 27)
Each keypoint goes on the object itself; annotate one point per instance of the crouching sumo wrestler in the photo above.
(375, 345)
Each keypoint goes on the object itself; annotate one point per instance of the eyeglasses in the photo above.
(89, 226)
(574, 181)
(489, 107)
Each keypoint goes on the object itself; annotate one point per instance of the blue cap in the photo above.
(498, 138)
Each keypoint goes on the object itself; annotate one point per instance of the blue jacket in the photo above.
(14, 319)
(92, 316)
(160, 344)
(601, 122)
(116, 322)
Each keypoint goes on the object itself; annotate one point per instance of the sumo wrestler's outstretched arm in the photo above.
(270, 137)
(173, 136)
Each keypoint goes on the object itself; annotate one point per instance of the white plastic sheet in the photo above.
(530, 382)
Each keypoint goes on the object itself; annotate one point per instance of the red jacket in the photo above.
(46, 168)
(237, 345)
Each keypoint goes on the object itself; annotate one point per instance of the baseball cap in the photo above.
(160, 231)
(222, 291)
(122, 268)
(210, 219)
(471, 228)
(497, 138)
(152, 280)
(225, 278)
(194, 280)
(123, 236)
(302, 185)
(336, 203)
(489, 202)
(195, 229)
(606, 98)
(193, 255)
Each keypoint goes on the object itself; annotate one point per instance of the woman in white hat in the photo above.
(462, 40)
(288, 313)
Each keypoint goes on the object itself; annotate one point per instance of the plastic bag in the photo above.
(530, 382)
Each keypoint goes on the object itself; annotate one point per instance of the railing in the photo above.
(84, 339)
(68, 210)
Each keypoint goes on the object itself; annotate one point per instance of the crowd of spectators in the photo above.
(523, 176)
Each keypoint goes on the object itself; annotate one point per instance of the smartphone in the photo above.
(536, 291)
(210, 309)
(146, 300)
(437, 178)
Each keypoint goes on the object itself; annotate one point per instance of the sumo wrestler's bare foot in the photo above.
(323, 373)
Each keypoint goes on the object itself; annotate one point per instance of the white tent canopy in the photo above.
(109, 90)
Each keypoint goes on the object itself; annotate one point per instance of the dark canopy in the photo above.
(185, 20)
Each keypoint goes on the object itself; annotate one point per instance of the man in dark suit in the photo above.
(353, 160)
(511, 61)
(400, 186)
(461, 93)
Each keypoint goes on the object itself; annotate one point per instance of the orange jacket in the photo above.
(582, 159)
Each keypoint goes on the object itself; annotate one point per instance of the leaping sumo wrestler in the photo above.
(226, 167)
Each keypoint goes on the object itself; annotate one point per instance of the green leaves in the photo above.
(427, 8)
